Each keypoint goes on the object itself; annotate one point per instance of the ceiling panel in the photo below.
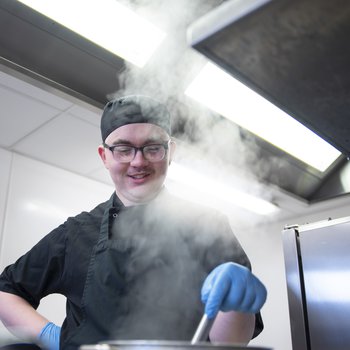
(86, 114)
(67, 142)
(20, 115)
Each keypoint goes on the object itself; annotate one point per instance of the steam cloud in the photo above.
(198, 132)
(174, 64)
(171, 69)
(164, 268)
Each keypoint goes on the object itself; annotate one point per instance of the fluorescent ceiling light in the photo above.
(211, 189)
(227, 96)
(106, 23)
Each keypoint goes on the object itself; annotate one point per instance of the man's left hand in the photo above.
(232, 287)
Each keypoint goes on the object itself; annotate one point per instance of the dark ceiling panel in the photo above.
(45, 48)
(295, 53)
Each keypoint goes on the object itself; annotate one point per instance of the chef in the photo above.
(142, 265)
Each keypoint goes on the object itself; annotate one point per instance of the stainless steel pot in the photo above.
(165, 345)
(197, 343)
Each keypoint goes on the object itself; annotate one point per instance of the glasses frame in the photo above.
(136, 149)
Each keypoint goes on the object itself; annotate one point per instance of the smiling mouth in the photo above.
(139, 176)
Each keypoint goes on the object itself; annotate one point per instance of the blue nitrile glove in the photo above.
(232, 287)
(50, 336)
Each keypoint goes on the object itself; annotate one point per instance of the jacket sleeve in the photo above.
(38, 272)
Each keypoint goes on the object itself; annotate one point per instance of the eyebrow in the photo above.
(148, 141)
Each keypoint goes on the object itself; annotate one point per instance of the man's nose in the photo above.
(139, 158)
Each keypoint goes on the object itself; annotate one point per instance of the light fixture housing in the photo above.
(106, 23)
(225, 95)
(192, 184)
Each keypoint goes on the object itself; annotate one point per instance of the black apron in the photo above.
(129, 297)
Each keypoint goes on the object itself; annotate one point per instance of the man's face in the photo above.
(139, 180)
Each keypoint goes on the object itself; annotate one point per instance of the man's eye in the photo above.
(153, 148)
(123, 149)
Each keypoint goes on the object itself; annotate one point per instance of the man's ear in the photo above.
(172, 147)
(102, 153)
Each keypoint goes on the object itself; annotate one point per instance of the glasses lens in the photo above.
(124, 153)
(154, 153)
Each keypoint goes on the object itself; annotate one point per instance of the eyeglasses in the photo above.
(126, 153)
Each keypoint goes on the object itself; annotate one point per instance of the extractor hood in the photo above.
(296, 54)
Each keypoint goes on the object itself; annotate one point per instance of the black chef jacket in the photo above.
(180, 240)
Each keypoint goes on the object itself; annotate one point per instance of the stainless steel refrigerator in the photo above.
(317, 261)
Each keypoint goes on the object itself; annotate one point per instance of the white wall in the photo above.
(5, 161)
(36, 197)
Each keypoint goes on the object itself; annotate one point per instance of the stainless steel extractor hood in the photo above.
(296, 54)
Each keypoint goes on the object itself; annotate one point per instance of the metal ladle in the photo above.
(203, 329)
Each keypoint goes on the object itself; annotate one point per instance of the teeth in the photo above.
(138, 176)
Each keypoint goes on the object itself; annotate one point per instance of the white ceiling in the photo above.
(60, 131)
(50, 126)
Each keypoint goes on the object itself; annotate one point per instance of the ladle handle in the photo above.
(203, 329)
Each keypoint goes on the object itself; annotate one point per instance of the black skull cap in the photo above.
(134, 109)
